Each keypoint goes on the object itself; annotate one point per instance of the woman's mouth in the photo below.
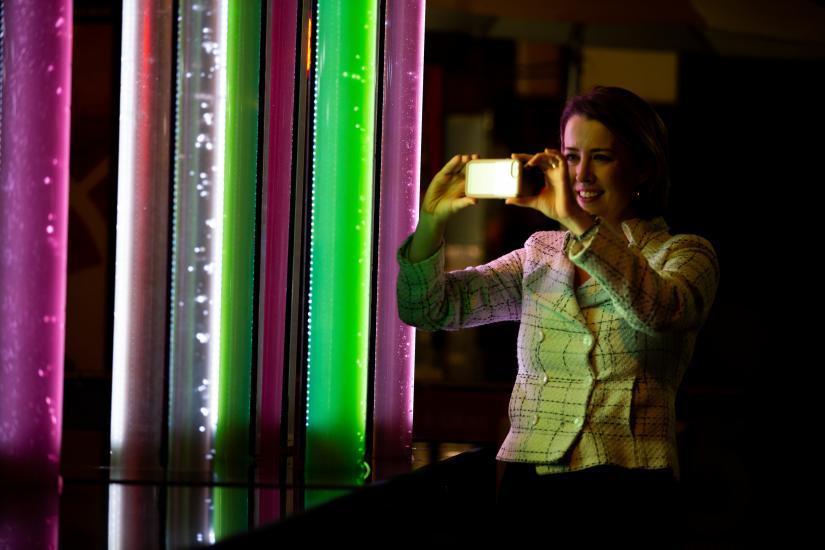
(588, 195)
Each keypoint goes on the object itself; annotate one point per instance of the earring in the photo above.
(637, 194)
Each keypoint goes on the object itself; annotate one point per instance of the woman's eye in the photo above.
(571, 157)
(602, 158)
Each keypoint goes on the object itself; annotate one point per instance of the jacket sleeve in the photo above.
(673, 297)
(430, 299)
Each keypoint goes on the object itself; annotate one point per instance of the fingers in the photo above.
(549, 159)
(464, 202)
(456, 164)
(464, 160)
(452, 165)
(536, 160)
(556, 156)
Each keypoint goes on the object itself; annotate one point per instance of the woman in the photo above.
(609, 309)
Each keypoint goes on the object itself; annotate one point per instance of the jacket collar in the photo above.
(553, 283)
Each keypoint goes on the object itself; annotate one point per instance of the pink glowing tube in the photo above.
(34, 178)
(400, 151)
(138, 361)
(275, 228)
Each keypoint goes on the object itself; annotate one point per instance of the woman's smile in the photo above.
(587, 196)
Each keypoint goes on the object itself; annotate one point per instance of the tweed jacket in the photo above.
(599, 365)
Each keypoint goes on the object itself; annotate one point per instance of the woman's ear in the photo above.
(645, 170)
(646, 174)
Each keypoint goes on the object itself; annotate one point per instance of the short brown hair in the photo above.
(634, 122)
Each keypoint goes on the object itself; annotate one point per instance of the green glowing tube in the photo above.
(341, 241)
(238, 257)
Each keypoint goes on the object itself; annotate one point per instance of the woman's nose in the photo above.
(583, 171)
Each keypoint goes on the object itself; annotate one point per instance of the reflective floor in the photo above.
(92, 511)
(95, 514)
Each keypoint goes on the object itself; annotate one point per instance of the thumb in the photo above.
(464, 202)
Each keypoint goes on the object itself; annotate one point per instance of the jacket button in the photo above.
(588, 340)
(541, 335)
(577, 421)
(535, 419)
(544, 378)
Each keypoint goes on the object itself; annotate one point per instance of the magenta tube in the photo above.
(34, 178)
(283, 15)
(400, 161)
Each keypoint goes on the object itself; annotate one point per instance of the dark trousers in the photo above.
(591, 507)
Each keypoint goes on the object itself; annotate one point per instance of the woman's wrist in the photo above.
(428, 236)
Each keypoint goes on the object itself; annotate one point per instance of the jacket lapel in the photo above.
(551, 282)
(551, 279)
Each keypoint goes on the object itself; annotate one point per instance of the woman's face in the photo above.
(602, 172)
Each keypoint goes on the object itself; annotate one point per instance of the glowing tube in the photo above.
(34, 209)
(400, 166)
(275, 228)
(197, 237)
(142, 212)
(341, 240)
(237, 288)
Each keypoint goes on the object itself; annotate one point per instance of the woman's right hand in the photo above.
(444, 197)
(446, 194)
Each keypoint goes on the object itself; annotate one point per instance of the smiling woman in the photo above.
(628, 144)
(603, 176)
(609, 310)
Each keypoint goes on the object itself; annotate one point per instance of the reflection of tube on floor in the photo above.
(34, 210)
(341, 241)
(29, 519)
(230, 515)
(268, 504)
(134, 520)
(189, 512)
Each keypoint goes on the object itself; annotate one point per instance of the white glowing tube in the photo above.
(197, 229)
(141, 245)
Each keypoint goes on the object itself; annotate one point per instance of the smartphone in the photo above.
(502, 178)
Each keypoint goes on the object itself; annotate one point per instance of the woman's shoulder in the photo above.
(546, 241)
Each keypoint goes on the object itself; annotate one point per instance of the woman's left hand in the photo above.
(556, 199)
